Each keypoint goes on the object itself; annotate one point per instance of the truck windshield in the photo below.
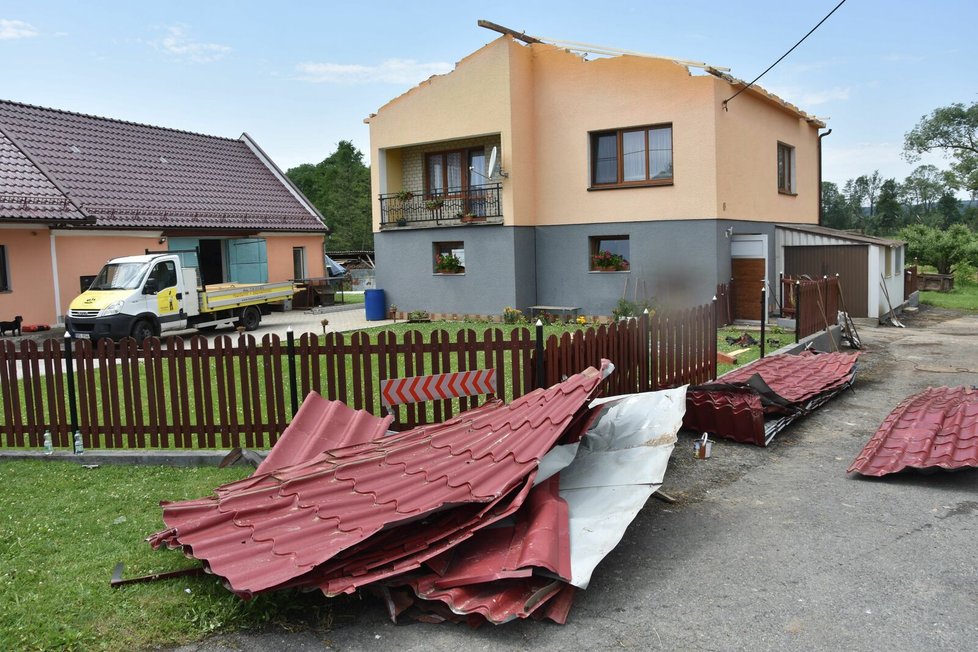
(119, 276)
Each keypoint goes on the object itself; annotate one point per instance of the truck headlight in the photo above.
(111, 309)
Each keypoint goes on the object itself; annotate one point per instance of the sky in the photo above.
(301, 76)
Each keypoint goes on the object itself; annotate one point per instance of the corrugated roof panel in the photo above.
(937, 428)
(751, 404)
(299, 517)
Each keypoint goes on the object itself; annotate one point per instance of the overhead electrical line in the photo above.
(812, 30)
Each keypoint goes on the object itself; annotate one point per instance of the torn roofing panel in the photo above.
(271, 528)
(753, 403)
(937, 428)
(319, 426)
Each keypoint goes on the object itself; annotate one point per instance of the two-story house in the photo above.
(530, 175)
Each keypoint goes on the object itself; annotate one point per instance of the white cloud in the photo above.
(15, 29)
(177, 44)
(391, 71)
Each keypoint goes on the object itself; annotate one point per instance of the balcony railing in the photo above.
(456, 206)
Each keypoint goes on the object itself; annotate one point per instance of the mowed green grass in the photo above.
(64, 527)
(962, 297)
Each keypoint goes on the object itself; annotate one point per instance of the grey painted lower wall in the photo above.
(672, 263)
(495, 257)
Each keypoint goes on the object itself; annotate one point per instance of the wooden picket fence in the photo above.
(239, 391)
(813, 303)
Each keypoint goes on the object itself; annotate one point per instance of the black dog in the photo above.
(12, 326)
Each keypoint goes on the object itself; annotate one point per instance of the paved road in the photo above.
(767, 549)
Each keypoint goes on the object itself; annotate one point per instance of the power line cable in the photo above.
(783, 55)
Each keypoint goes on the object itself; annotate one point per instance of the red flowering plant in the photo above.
(448, 264)
(607, 261)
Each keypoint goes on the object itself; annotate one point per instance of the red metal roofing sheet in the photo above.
(269, 529)
(132, 175)
(937, 428)
(732, 409)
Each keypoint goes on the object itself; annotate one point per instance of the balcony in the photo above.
(474, 204)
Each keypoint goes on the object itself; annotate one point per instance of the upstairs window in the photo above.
(786, 169)
(448, 173)
(640, 156)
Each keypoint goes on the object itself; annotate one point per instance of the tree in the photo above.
(836, 212)
(948, 208)
(888, 209)
(942, 248)
(339, 187)
(954, 131)
(922, 189)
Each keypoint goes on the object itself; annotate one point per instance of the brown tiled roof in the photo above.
(131, 175)
(26, 193)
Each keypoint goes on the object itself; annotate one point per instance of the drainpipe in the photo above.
(820, 137)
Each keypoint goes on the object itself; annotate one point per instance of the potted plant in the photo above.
(448, 264)
(392, 312)
(401, 221)
(434, 203)
(471, 217)
(416, 316)
(605, 261)
(404, 195)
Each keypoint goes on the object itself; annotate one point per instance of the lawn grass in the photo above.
(64, 527)
(776, 338)
(962, 297)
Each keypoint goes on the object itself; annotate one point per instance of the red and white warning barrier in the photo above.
(397, 391)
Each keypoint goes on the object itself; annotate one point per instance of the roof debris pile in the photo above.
(937, 428)
(755, 402)
(496, 514)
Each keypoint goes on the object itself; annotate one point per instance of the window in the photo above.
(164, 275)
(632, 157)
(4, 272)
(298, 262)
(448, 173)
(786, 169)
(448, 257)
(888, 262)
(608, 253)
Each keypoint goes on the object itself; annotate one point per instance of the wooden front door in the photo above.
(748, 279)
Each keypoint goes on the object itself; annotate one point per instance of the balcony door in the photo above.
(447, 175)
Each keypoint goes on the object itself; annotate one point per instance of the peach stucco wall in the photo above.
(31, 292)
(544, 102)
(279, 249)
(471, 101)
(747, 160)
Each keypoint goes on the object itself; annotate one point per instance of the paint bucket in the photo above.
(702, 448)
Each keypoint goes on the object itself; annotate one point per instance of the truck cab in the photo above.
(139, 296)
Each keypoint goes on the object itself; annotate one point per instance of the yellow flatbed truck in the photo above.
(143, 296)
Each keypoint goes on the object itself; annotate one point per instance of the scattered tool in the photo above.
(892, 315)
(118, 581)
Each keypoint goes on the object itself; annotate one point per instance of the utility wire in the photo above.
(783, 55)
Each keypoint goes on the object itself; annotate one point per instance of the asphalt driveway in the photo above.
(765, 549)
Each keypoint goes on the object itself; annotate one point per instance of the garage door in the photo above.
(850, 262)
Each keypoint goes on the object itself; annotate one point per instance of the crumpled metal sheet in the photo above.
(936, 428)
(755, 402)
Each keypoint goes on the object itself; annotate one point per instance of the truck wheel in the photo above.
(250, 318)
(142, 329)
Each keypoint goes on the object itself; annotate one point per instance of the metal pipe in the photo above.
(70, 370)
(763, 316)
(797, 310)
(540, 371)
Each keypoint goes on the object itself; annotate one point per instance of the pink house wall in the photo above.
(31, 292)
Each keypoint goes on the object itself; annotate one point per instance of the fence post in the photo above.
(70, 370)
(781, 294)
(797, 310)
(541, 379)
(714, 325)
(290, 339)
(763, 315)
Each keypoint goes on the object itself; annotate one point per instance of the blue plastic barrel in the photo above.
(375, 305)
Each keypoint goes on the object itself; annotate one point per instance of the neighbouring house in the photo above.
(77, 190)
(532, 176)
